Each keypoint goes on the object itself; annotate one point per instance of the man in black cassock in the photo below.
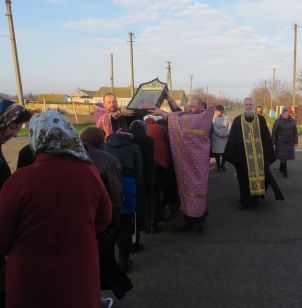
(250, 150)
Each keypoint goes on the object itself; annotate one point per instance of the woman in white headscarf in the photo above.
(50, 212)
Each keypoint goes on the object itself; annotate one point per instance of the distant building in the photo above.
(52, 98)
(180, 98)
(123, 95)
(82, 96)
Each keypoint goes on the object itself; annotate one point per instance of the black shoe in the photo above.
(148, 226)
(223, 168)
(126, 265)
(185, 227)
(155, 228)
(137, 247)
(200, 227)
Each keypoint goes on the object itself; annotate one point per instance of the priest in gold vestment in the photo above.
(250, 150)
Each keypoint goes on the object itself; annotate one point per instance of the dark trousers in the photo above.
(157, 209)
(219, 160)
(124, 238)
(283, 167)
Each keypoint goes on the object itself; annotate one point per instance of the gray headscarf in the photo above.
(52, 133)
(9, 112)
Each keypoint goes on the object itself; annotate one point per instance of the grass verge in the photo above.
(23, 132)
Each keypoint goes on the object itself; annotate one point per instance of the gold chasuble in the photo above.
(254, 155)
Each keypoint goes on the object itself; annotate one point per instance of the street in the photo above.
(246, 258)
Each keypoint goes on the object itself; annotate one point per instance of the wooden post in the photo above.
(273, 89)
(14, 50)
(191, 84)
(112, 76)
(295, 67)
(131, 34)
(44, 104)
(75, 112)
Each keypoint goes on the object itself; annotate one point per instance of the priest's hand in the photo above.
(127, 112)
(159, 112)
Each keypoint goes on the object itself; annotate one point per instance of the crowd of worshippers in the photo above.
(73, 198)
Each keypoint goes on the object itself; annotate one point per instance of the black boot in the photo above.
(148, 216)
(125, 263)
(285, 170)
(155, 227)
(188, 224)
(282, 166)
(218, 166)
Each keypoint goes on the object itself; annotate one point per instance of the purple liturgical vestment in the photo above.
(190, 146)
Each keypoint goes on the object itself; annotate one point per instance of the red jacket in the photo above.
(49, 214)
(161, 143)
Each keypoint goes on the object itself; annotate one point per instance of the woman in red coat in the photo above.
(50, 212)
(162, 162)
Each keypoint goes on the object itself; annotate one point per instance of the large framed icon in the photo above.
(149, 95)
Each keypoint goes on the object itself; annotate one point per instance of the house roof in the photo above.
(125, 92)
(178, 94)
(86, 93)
(120, 92)
(51, 97)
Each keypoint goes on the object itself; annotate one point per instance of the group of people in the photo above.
(74, 198)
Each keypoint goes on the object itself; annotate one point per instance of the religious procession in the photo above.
(75, 211)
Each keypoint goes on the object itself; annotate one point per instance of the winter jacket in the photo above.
(161, 143)
(285, 136)
(219, 134)
(122, 147)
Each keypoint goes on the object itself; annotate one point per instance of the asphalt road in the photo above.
(246, 258)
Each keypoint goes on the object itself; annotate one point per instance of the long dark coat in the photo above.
(235, 154)
(145, 189)
(285, 136)
(50, 212)
(4, 169)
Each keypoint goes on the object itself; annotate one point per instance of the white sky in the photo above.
(227, 45)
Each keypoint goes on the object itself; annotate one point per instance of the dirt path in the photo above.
(11, 150)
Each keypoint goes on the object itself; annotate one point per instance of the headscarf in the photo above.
(285, 109)
(220, 108)
(52, 133)
(9, 112)
(93, 136)
(153, 117)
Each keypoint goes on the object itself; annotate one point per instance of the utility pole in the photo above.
(273, 88)
(207, 94)
(112, 76)
(264, 95)
(295, 67)
(191, 83)
(131, 35)
(14, 50)
(169, 76)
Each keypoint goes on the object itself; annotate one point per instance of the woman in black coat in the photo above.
(285, 138)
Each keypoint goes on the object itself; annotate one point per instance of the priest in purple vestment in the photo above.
(190, 147)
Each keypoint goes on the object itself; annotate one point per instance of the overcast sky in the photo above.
(227, 45)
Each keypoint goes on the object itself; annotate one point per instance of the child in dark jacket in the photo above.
(121, 145)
